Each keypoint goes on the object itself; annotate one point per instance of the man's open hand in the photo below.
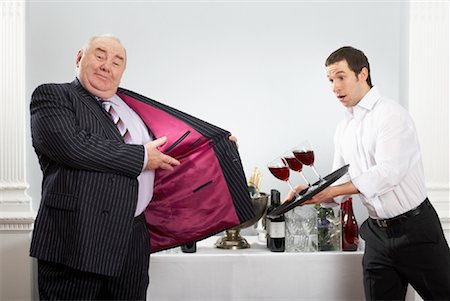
(157, 159)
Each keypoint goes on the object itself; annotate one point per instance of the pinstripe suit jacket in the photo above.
(90, 187)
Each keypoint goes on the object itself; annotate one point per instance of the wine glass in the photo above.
(280, 169)
(305, 154)
(294, 164)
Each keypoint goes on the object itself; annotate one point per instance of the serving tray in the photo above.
(308, 193)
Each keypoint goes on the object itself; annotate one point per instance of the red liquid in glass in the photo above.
(294, 164)
(281, 173)
(306, 158)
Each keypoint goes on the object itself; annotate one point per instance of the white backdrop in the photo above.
(254, 68)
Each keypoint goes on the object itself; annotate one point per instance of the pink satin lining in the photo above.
(193, 201)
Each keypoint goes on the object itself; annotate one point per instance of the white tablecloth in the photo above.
(255, 274)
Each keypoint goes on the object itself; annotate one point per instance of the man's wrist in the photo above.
(145, 158)
(343, 189)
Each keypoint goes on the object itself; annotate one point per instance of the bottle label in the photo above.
(277, 229)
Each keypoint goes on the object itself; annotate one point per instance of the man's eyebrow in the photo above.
(120, 57)
(104, 51)
(100, 49)
(336, 74)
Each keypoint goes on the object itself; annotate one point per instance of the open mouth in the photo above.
(341, 97)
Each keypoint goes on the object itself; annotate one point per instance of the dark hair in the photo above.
(356, 60)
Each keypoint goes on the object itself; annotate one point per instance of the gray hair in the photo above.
(87, 45)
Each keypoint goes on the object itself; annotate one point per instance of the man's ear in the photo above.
(78, 58)
(363, 74)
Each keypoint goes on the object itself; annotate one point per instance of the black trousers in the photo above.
(59, 282)
(412, 252)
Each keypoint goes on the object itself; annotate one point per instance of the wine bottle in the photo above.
(269, 209)
(349, 227)
(190, 247)
(341, 216)
(342, 211)
(276, 225)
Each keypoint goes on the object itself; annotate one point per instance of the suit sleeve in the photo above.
(56, 134)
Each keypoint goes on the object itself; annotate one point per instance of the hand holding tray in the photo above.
(309, 192)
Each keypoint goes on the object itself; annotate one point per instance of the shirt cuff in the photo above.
(145, 158)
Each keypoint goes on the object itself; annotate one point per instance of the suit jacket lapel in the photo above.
(89, 101)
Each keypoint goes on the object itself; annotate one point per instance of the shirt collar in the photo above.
(370, 99)
(365, 104)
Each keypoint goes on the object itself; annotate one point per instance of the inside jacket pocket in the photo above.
(202, 186)
(178, 141)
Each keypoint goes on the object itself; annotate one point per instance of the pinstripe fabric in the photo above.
(89, 188)
(59, 282)
(133, 280)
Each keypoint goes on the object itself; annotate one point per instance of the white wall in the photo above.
(253, 68)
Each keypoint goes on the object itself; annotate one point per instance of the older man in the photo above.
(111, 175)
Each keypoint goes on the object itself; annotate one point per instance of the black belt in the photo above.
(386, 223)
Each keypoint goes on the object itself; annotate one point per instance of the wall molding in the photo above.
(16, 214)
(438, 193)
(15, 204)
(439, 197)
(428, 54)
(16, 224)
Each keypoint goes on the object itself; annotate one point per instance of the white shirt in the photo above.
(138, 135)
(379, 141)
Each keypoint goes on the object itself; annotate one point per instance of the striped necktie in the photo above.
(108, 106)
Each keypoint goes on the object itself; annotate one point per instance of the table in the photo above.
(254, 274)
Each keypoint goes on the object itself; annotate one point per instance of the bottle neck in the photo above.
(274, 197)
(349, 207)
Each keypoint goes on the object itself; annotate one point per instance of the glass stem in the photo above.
(293, 190)
(304, 178)
(317, 174)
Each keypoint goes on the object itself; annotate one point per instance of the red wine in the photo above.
(275, 225)
(281, 173)
(306, 157)
(349, 227)
(190, 247)
(294, 163)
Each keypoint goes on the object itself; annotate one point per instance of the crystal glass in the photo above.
(294, 164)
(301, 229)
(280, 170)
(305, 154)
